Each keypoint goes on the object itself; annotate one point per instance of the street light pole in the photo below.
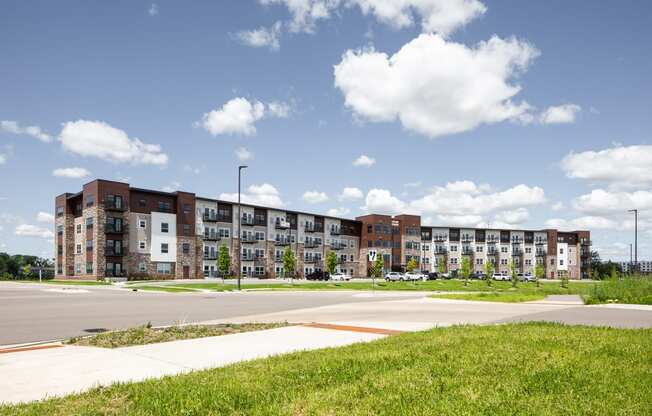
(239, 222)
(635, 211)
(631, 263)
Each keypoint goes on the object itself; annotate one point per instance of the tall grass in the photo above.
(635, 289)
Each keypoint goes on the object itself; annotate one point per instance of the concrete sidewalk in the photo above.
(58, 371)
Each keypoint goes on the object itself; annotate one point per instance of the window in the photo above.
(164, 227)
(552, 262)
(479, 249)
(260, 236)
(59, 229)
(142, 267)
(453, 248)
(503, 262)
(59, 249)
(454, 260)
(224, 232)
(142, 223)
(78, 228)
(90, 200)
(503, 249)
(142, 203)
(79, 250)
(163, 268)
(164, 248)
(89, 223)
(370, 228)
(187, 208)
(59, 211)
(77, 268)
(185, 248)
(528, 250)
(164, 206)
(186, 230)
(561, 250)
(561, 262)
(141, 245)
(89, 268)
(89, 245)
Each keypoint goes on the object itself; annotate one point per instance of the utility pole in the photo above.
(631, 263)
(635, 211)
(239, 222)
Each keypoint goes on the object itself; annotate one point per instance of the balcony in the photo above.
(440, 238)
(540, 253)
(112, 229)
(278, 259)
(441, 251)
(539, 241)
(311, 244)
(224, 218)
(492, 240)
(585, 242)
(113, 253)
(516, 252)
(281, 225)
(335, 231)
(309, 228)
(337, 246)
(247, 221)
(309, 260)
(467, 252)
(282, 242)
(517, 240)
(492, 252)
(211, 237)
(247, 257)
(248, 239)
(259, 260)
(260, 221)
(209, 217)
(112, 206)
(467, 239)
(210, 256)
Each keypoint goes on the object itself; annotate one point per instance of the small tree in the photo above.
(465, 269)
(411, 265)
(223, 261)
(539, 272)
(563, 275)
(512, 271)
(377, 269)
(289, 263)
(441, 266)
(331, 262)
(26, 271)
(489, 271)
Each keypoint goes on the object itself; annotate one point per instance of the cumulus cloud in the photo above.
(28, 230)
(600, 201)
(381, 201)
(435, 87)
(243, 154)
(172, 187)
(34, 131)
(460, 220)
(44, 217)
(3, 158)
(314, 197)
(239, 115)
(99, 139)
(350, 193)
(153, 9)
(338, 212)
(621, 166)
(582, 223)
(265, 194)
(565, 113)
(557, 206)
(261, 37)
(71, 173)
(516, 216)
(365, 161)
(443, 16)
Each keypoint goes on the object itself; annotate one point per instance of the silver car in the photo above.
(394, 277)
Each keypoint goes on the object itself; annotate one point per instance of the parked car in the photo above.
(318, 275)
(478, 275)
(412, 276)
(340, 276)
(527, 277)
(428, 276)
(394, 276)
(498, 276)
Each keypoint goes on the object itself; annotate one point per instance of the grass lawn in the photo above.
(66, 282)
(515, 369)
(510, 297)
(171, 289)
(144, 335)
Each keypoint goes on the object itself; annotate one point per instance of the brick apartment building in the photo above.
(110, 229)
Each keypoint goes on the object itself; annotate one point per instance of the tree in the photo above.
(289, 262)
(563, 275)
(377, 269)
(539, 272)
(441, 266)
(512, 271)
(331, 262)
(411, 265)
(223, 261)
(465, 269)
(489, 271)
(26, 271)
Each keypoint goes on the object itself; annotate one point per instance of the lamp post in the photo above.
(631, 263)
(239, 222)
(635, 211)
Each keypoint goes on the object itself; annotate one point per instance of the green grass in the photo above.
(628, 290)
(515, 369)
(147, 335)
(493, 296)
(171, 289)
(67, 282)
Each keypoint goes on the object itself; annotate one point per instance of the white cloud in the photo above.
(243, 154)
(265, 194)
(71, 173)
(365, 161)
(314, 197)
(350, 193)
(99, 139)
(28, 230)
(3, 159)
(34, 131)
(44, 217)
(443, 16)
(414, 184)
(557, 206)
(582, 223)
(172, 187)
(381, 201)
(622, 166)
(338, 212)
(239, 115)
(436, 87)
(153, 9)
(460, 220)
(565, 113)
(600, 201)
(516, 216)
(261, 37)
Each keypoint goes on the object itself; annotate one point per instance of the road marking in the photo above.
(36, 347)
(363, 329)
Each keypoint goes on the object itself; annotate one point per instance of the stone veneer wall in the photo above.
(189, 259)
(68, 244)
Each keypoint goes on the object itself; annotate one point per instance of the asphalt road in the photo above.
(32, 312)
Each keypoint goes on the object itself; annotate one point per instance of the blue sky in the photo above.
(545, 125)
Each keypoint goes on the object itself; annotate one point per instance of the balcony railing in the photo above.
(309, 260)
(467, 239)
(585, 242)
(309, 228)
(247, 221)
(211, 237)
(110, 228)
(441, 251)
(281, 225)
(247, 257)
(335, 231)
(517, 240)
(440, 238)
(540, 253)
(112, 206)
(282, 242)
(517, 252)
(539, 241)
(210, 256)
(311, 244)
(492, 252)
(210, 217)
(223, 218)
(260, 221)
(248, 239)
(113, 252)
(337, 246)
(467, 252)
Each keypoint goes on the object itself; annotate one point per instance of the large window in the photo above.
(185, 247)
(89, 223)
(90, 200)
(163, 268)
(164, 248)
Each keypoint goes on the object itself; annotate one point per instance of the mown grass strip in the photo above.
(515, 369)
(507, 297)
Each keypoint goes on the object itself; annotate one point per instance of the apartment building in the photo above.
(644, 266)
(110, 229)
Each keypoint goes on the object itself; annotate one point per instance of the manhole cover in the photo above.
(95, 330)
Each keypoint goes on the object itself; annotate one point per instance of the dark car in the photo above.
(478, 276)
(431, 275)
(318, 275)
